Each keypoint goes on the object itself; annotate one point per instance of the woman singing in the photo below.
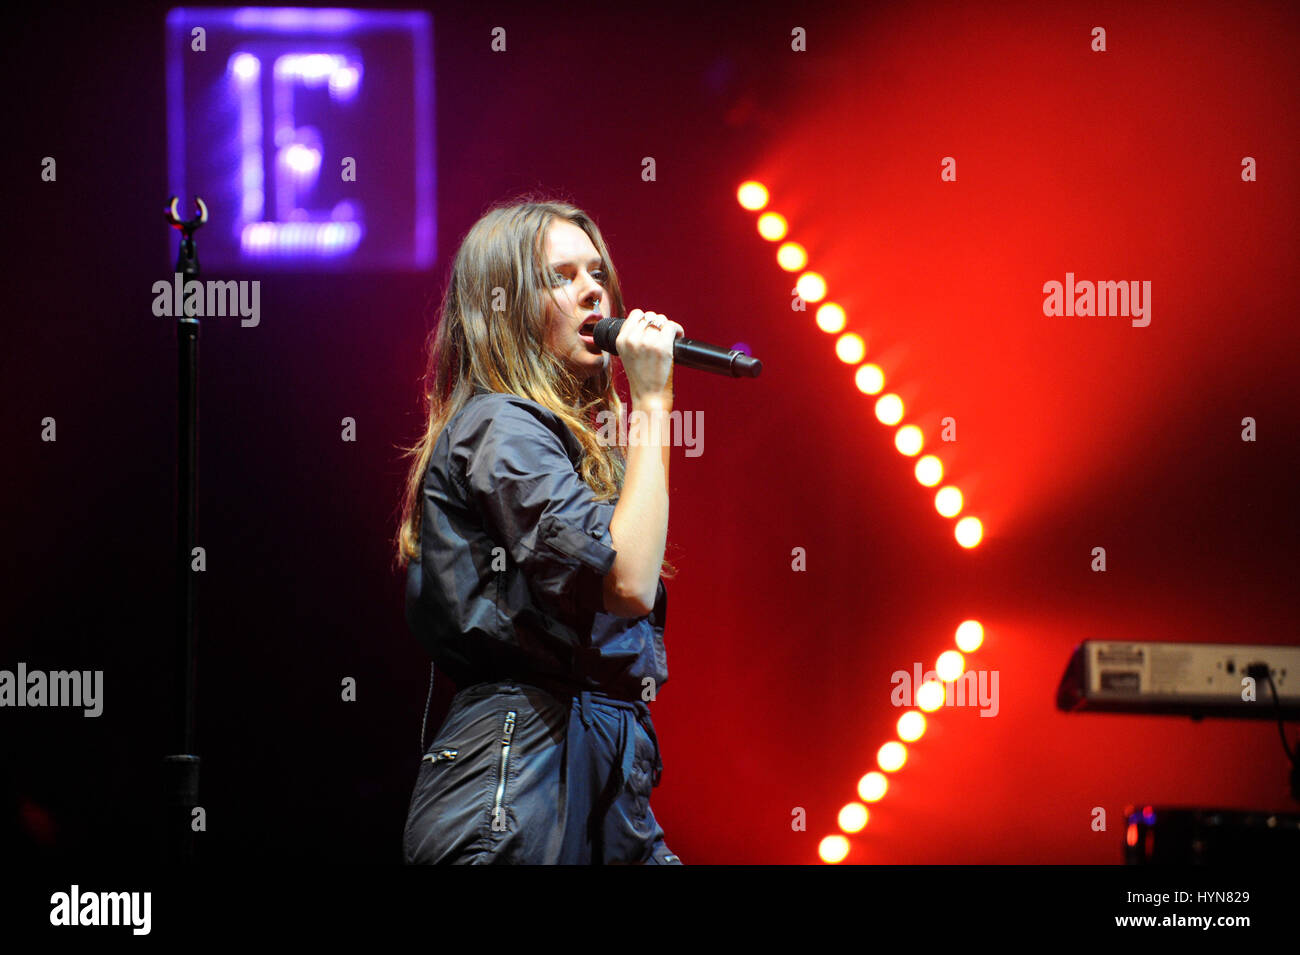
(534, 551)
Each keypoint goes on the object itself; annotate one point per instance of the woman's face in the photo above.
(580, 298)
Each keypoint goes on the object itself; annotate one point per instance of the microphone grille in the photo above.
(606, 334)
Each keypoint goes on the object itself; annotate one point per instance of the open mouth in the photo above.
(588, 331)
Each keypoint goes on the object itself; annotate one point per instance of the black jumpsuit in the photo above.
(548, 753)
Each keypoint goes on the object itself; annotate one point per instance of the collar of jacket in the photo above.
(572, 446)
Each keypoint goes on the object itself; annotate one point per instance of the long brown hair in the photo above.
(491, 333)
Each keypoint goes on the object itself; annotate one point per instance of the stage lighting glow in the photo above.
(908, 439)
(811, 287)
(869, 379)
(948, 501)
(970, 635)
(752, 195)
(831, 318)
(873, 786)
(345, 82)
(791, 256)
(892, 756)
(771, 226)
(292, 19)
(300, 238)
(833, 849)
(312, 68)
(244, 67)
(930, 696)
(850, 348)
(301, 160)
(889, 409)
(911, 726)
(929, 470)
(969, 531)
(853, 817)
(950, 665)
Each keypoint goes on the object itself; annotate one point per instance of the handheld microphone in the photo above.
(687, 352)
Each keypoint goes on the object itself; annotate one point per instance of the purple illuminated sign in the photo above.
(309, 133)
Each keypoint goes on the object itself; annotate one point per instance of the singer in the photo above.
(534, 554)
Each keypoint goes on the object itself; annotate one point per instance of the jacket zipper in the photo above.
(507, 733)
(440, 755)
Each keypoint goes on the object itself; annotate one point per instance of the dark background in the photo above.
(1072, 432)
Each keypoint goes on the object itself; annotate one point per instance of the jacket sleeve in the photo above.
(518, 476)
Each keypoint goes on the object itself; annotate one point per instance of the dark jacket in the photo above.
(514, 547)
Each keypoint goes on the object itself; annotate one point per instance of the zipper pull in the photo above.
(447, 754)
(509, 728)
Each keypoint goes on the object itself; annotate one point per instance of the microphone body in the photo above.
(687, 352)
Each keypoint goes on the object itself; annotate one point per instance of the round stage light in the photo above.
(791, 256)
(811, 287)
(870, 379)
(831, 318)
(853, 817)
(969, 531)
(889, 409)
(930, 696)
(833, 849)
(908, 439)
(872, 786)
(949, 666)
(970, 634)
(948, 501)
(771, 226)
(752, 195)
(911, 726)
(929, 470)
(849, 348)
(892, 756)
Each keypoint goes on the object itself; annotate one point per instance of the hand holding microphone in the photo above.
(643, 342)
(609, 336)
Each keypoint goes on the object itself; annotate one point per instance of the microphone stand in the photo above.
(181, 769)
